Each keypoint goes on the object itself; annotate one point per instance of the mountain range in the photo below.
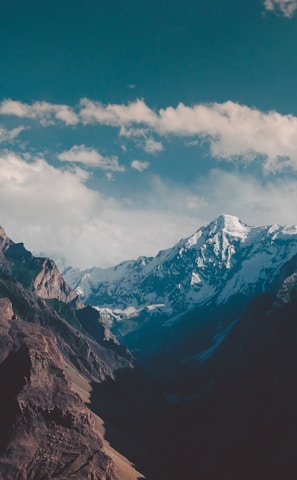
(207, 389)
(221, 259)
(187, 298)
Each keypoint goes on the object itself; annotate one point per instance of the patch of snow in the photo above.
(151, 308)
(79, 291)
(195, 278)
(221, 259)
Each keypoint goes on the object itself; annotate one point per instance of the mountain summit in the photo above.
(220, 260)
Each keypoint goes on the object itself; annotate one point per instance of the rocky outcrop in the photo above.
(50, 284)
(46, 430)
(6, 312)
(93, 356)
(36, 273)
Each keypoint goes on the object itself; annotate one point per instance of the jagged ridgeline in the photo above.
(183, 302)
(49, 357)
(212, 395)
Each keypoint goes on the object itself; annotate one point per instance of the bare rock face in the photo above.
(287, 285)
(6, 315)
(6, 312)
(47, 432)
(36, 273)
(49, 283)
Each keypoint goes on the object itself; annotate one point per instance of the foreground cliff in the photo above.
(46, 430)
(47, 357)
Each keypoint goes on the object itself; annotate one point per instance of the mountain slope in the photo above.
(222, 259)
(237, 406)
(47, 354)
(46, 431)
(187, 298)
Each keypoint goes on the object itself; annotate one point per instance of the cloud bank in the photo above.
(233, 132)
(53, 210)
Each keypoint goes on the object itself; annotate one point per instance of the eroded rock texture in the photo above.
(47, 432)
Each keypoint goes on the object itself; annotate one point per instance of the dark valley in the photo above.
(183, 365)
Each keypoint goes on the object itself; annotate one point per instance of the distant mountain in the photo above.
(168, 297)
(220, 260)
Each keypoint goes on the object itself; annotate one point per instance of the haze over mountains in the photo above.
(211, 390)
(178, 296)
(218, 261)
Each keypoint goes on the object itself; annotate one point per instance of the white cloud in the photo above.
(116, 114)
(234, 132)
(286, 7)
(36, 188)
(9, 135)
(90, 157)
(53, 211)
(217, 192)
(142, 138)
(43, 111)
(255, 202)
(140, 166)
(152, 146)
(43, 206)
(237, 132)
(125, 233)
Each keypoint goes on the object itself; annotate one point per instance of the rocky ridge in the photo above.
(46, 429)
(219, 260)
(221, 266)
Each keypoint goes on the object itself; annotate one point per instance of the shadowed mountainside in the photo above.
(46, 429)
(225, 412)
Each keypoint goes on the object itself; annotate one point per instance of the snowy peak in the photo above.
(217, 242)
(227, 222)
(225, 226)
(231, 225)
(222, 259)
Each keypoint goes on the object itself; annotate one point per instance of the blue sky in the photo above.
(124, 126)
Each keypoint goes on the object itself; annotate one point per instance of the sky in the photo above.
(125, 126)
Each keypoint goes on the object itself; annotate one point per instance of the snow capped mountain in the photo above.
(221, 259)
